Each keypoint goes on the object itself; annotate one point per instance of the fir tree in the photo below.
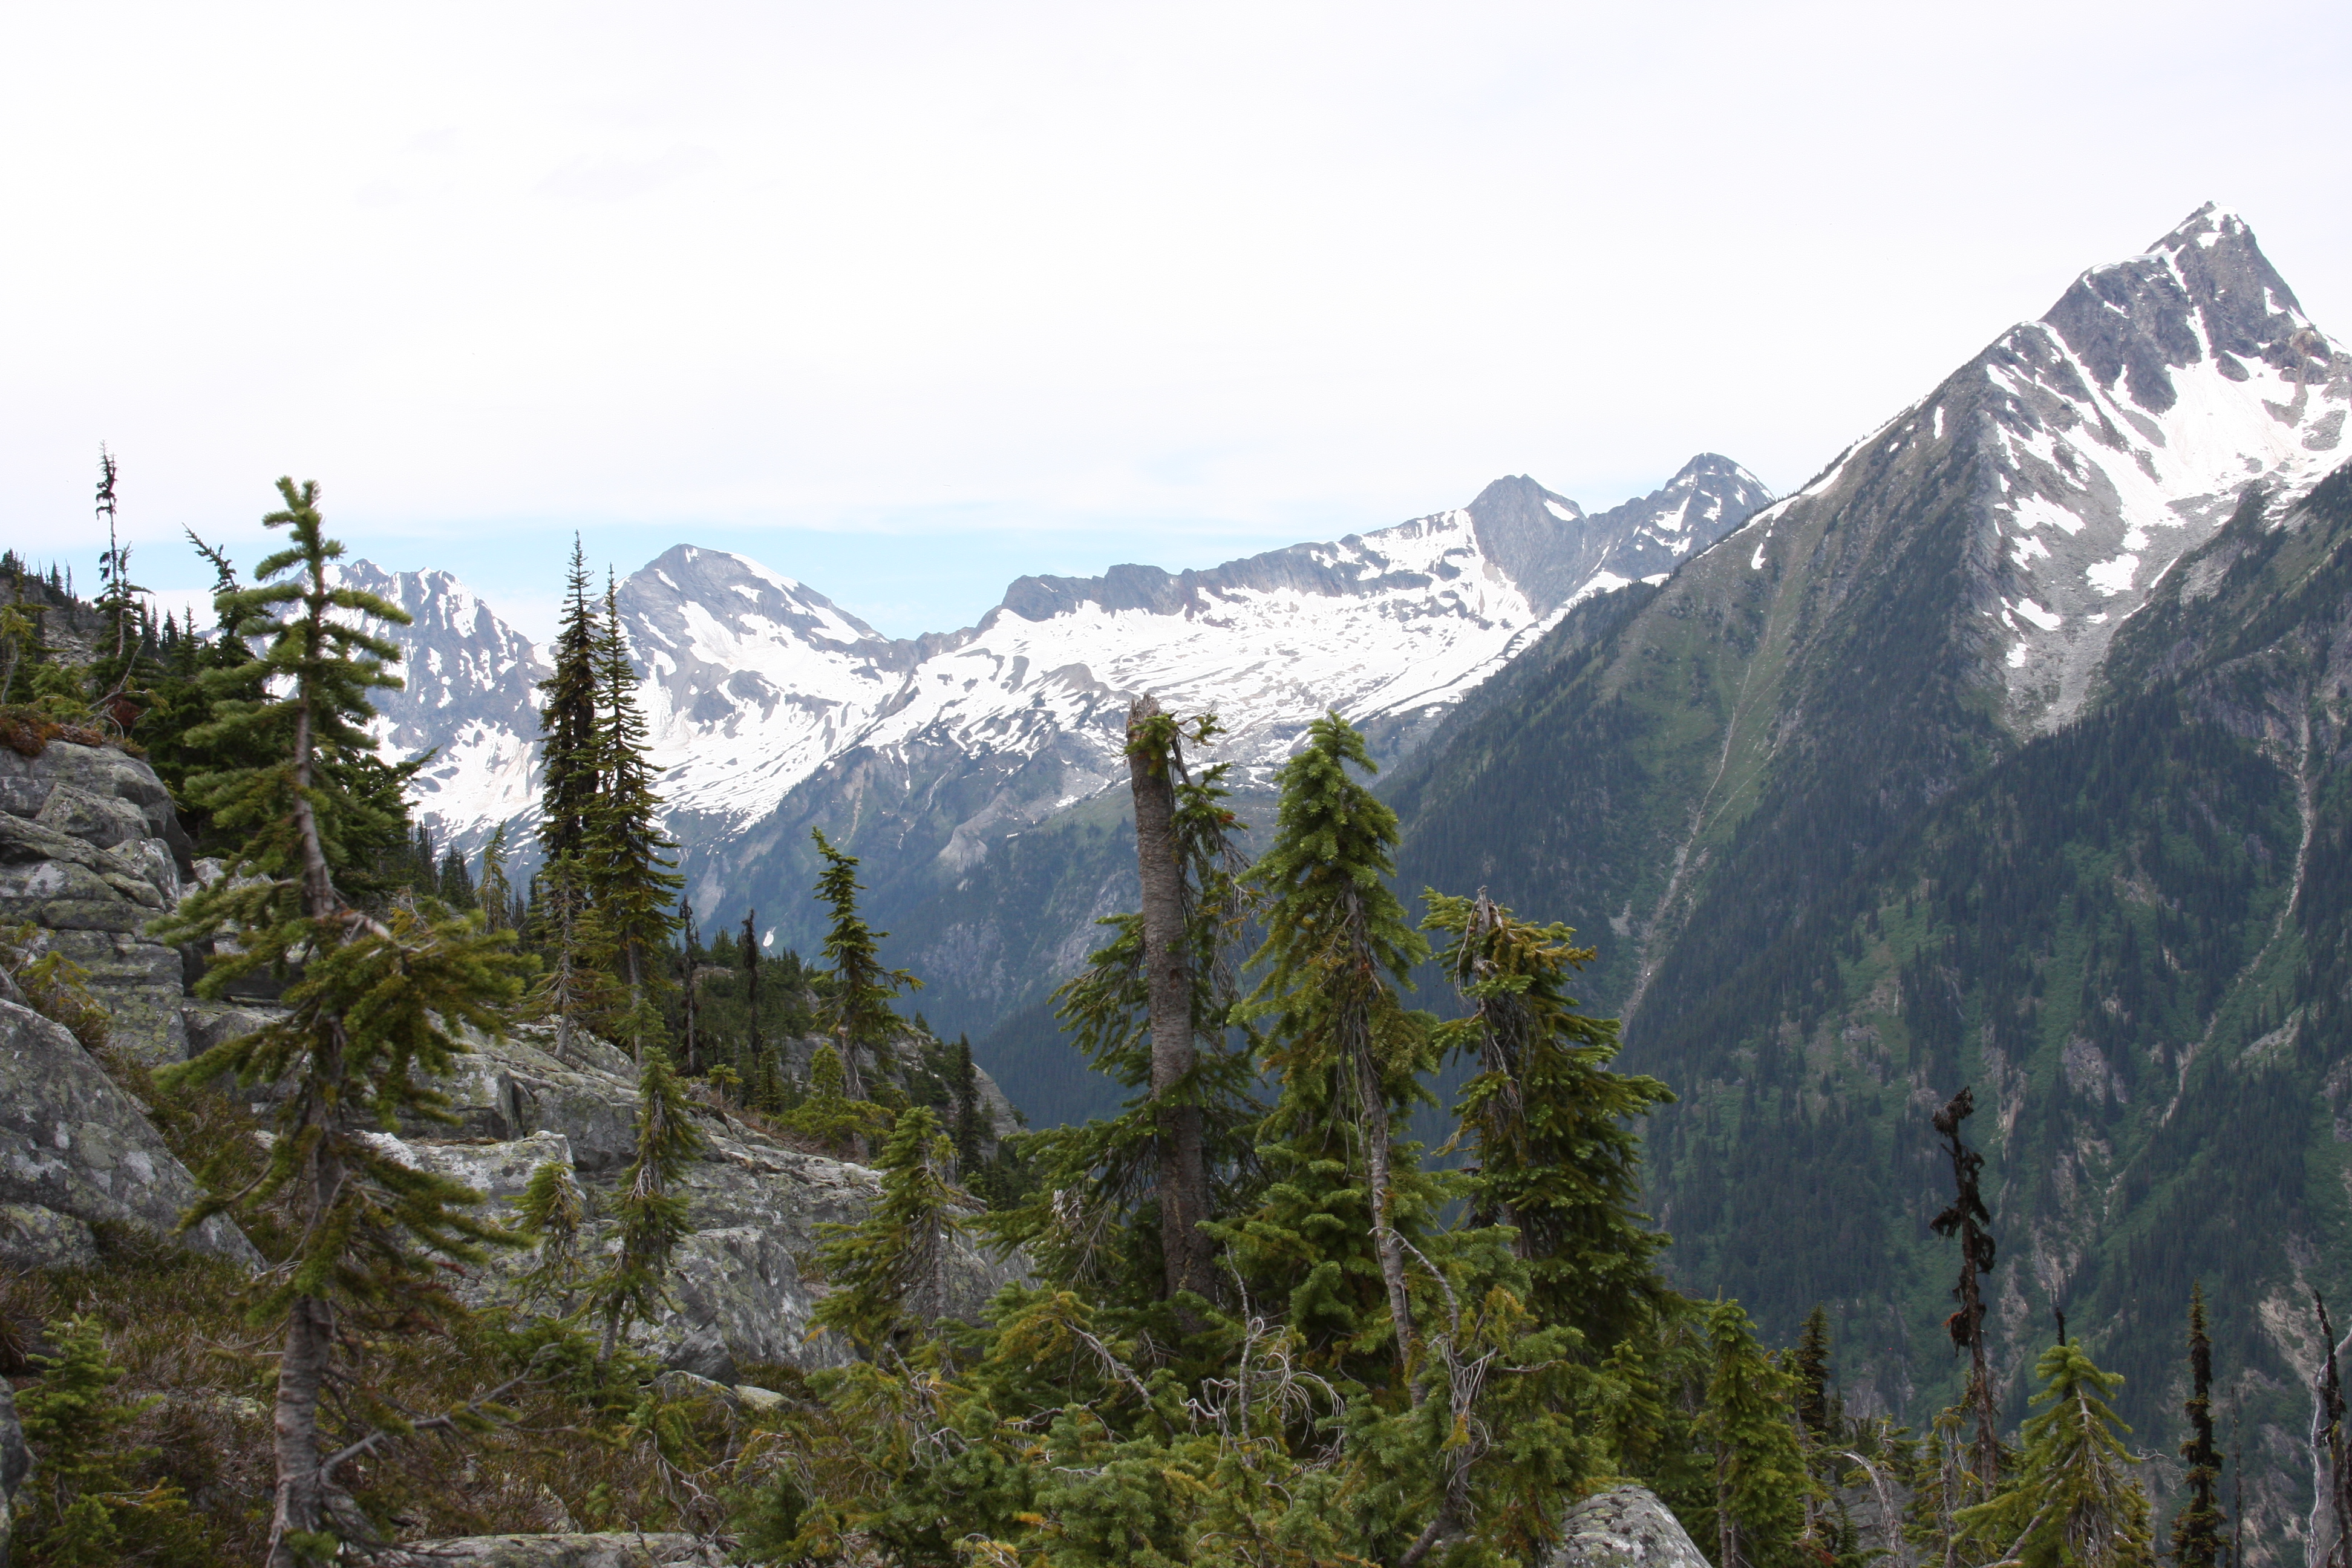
(652, 1215)
(550, 1211)
(1155, 760)
(84, 1505)
(857, 1015)
(2197, 1528)
(1558, 1159)
(1812, 1374)
(1347, 1052)
(970, 1128)
(370, 1019)
(2075, 1501)
(116, 670)
(496, 892)
(632, 886)
(1759, 1472)
(568, 762)
(889, 1270)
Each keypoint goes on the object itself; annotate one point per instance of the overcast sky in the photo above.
(905, 300)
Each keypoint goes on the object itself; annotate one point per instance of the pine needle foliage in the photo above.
(1340, 1209)
(857, 1015)
(635, 1285)
(2074, 1499)
(632, 886)
(2197, 1528)
(374, 1007)
(1558, 1157)
(889, 1270)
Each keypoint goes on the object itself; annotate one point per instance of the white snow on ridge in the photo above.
(2103, 486)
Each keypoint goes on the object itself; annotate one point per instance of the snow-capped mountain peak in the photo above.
(754, 681)
(2123, 427)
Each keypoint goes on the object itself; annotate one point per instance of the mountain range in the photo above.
(2004, 751)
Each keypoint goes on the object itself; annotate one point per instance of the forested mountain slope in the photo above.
(1983, 759)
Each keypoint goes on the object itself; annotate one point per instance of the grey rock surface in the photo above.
(603, 1549)
(74, 1144)
(90, 852)
(740, 1286)
(1624, 1527)
(32, 1237)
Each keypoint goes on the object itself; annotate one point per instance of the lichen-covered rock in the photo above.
(74, 1144)
(90, 852)
(1624, 1527)
(43, 1239)
(604, 1549)
(740, 1282)
(99, 774)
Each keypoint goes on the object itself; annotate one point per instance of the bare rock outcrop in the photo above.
(77, 1151)
(1624, 1527)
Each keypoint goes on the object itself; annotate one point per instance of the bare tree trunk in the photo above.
(1386, 1244)
(302, 1501)
(305, 1501)
(1168, 969)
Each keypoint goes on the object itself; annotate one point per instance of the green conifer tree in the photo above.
(2074, 1500)
(1812, 1372)
(372, 1014)
(971, 1126)
(1348, 1056)
(2197, 1528)
(550, 1211)
(651, 1213)
(888, 1271)
(857, 1015)
(633, 888)
(1558, 1160)
(569, 763)
(496, 892)
(1759, 1474)
(1094, 1219)
(85, 1508)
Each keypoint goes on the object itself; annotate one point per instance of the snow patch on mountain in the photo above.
(2128, 423)
(754, 681)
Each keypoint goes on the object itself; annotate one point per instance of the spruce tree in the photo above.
(888, 1271)
(372, 1009)
(2075, 1501)
(1348, 1053)
(568, 723)
(630, 883)
(2197, 1528)
(1558, 1160)
(857, 1015)
(651, 1213)
(1812, 1372)
(1759, 1472)
(970, 1132)
(496, 893)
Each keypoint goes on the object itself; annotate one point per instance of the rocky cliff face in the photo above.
(90, 852)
